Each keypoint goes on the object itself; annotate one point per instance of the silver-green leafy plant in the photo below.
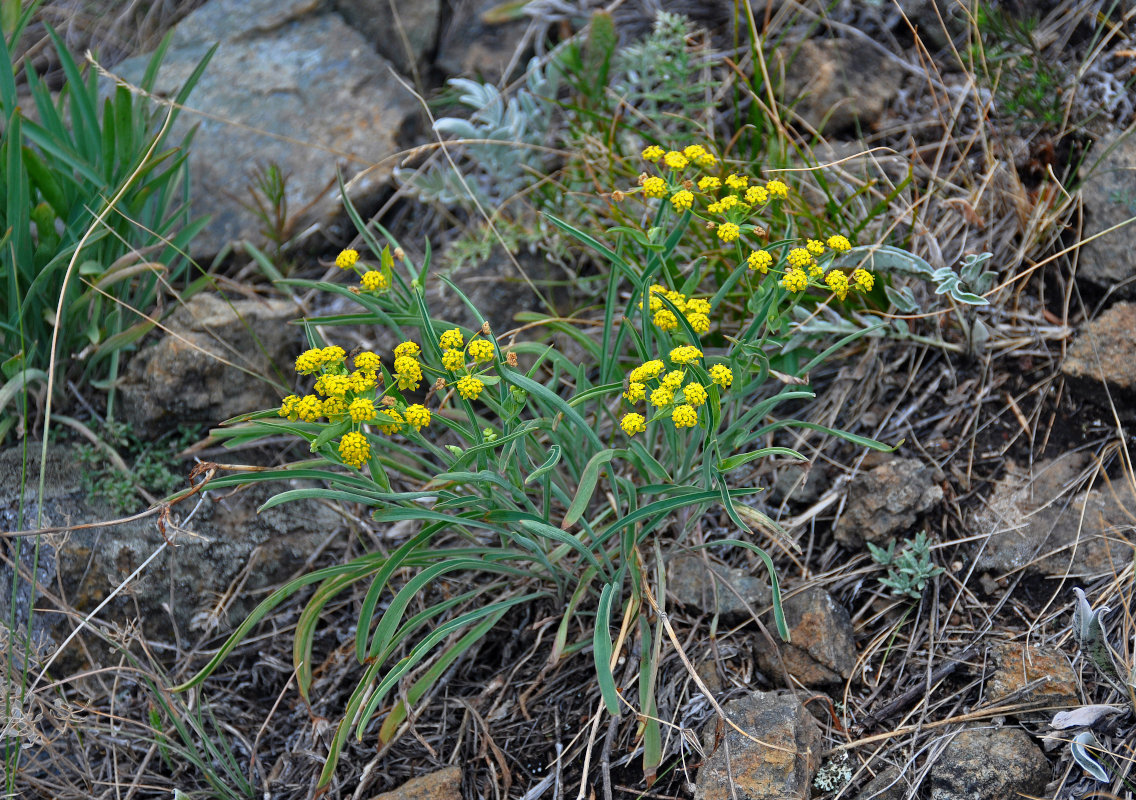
(908, 571)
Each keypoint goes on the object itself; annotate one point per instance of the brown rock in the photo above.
(987, 764)
(840, 83)
(1032, 523)
(445, 784)
(749, 770)
(695, 583)
(886, 501)
(214, 363)
(1016, 667)
(1105, 352)
(822, 650)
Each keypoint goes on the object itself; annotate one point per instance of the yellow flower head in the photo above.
(698, 305)
(726, 203)
(728, 232)
(838, 282)
(814, 247)
(694, 394)
(310, 408)
(367, 361)
(481, 350)
(333, 385)
(760, 260)
(694, 151)
(665, 320)
(673, 379)
(684, 416)
(708, 183)
(652, 153)
(452, 339)
(647, 371)
(633, 423)
(418, 416)
(334, 407)
(675, 160)
(799, 258)
(635, 392)
(373, 280)
(392, 426)
(706, 160)
(815, 270)
(361, 410)
(777, 189)
(346, 259)
(738, 182)
(361, 381)
(682, 200)
(662, 397)
(408, 371)
(677, 299)
(699, 323)
(288, 407)
(354, 449)
(721, 375)
(655, 187)
(453, 359)
(795, 280)
(839, 243)
(863, 280)
(470, 387)
(309, 361)
(407, 348)
(757, 196)
(685, 354)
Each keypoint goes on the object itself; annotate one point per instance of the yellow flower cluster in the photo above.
(678, 390)
(343, 395)
(696, 310)
(371, 280)
(456, 355)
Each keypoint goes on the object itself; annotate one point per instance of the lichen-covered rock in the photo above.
(1017, 666)
(780, 766)
(1033, 523)
(886, 501)
(989, 764)
(1106, 261)
(214, 361)
(822, 650)
(1105, 352)
(445, 784)
(696, 583)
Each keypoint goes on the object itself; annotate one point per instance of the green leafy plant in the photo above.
(908, 571)
(60, 167)
(147, 466)
(544, 482)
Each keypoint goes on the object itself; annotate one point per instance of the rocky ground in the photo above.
(1000, 675)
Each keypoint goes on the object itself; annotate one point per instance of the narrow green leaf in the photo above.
(602, 647)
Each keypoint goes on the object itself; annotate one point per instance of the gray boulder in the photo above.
(292, 85)
(1110, 199)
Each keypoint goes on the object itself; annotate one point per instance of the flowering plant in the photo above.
(559, 480)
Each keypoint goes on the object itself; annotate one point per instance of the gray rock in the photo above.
(840, 83)
(986, 764)
(822, 650)
(385, 23)
(1110, 199)
(1031, 523)
(479, 42)
(749, 770)
(693, 582)
(886, 501)
(799, 484)
(887, 785)
(291, 85)
(1105, 352)
(186, 583)
(218, 360)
